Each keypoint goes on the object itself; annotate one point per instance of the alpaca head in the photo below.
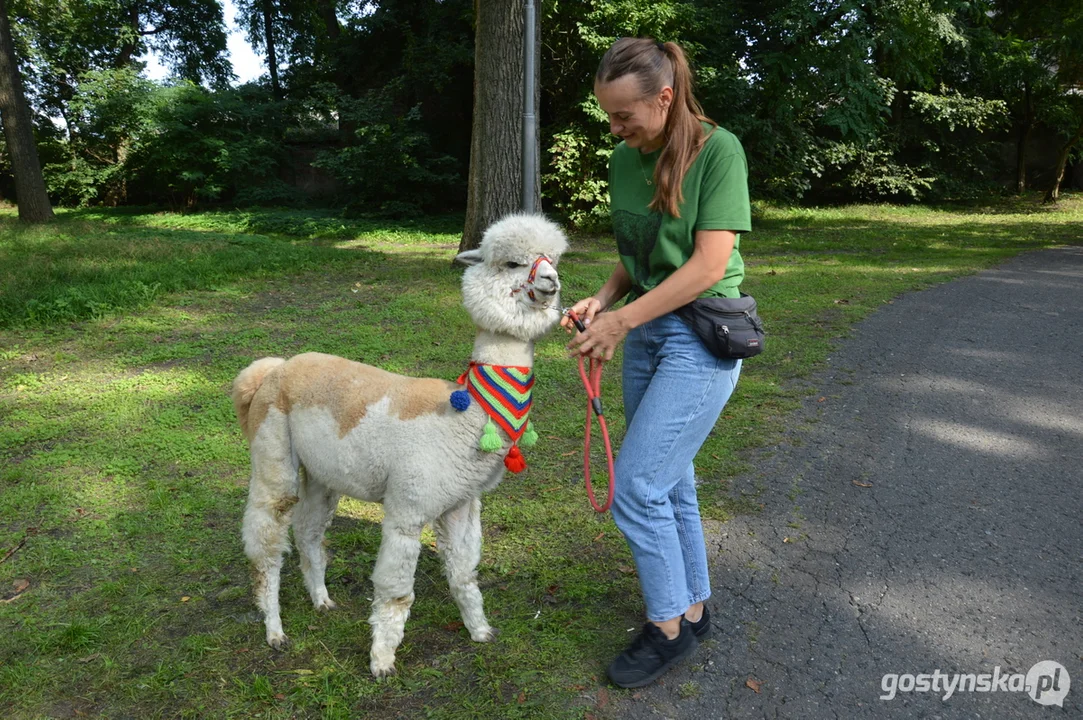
(498, 288)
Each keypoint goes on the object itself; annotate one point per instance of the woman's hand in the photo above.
(585, 310)
(603, 336)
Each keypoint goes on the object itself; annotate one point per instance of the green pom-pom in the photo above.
(530, 437)
(490, 440)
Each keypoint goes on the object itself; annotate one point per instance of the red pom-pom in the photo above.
(514, 460)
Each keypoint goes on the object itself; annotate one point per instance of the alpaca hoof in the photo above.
(326, 605)
(278, 641)
(486, 634)
(382, 671)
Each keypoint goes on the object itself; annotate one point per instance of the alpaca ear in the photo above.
(470, 257)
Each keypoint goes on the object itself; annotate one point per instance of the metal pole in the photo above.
(530, 129)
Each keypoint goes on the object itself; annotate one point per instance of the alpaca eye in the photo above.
(511, 265)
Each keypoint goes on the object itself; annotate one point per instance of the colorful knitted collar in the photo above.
(504, 393)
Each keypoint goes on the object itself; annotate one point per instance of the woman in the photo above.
(678, 189)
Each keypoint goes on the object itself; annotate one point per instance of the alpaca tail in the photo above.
(245, 386)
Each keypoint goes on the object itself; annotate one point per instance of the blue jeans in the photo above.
(674, 391)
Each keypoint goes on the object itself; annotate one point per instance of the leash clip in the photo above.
(575, 319)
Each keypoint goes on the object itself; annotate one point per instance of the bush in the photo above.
(392, 165)
(203, 145)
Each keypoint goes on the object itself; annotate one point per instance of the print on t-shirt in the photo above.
(636, 237)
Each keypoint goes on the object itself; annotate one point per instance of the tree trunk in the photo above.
(326, 9)
(1021, 143)
(1062, 162)
(333, 51)
(269, 41)
(494, 187)
(19, 132)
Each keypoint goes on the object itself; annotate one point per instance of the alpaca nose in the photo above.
(546, 282)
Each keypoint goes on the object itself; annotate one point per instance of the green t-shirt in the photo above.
(652, 244)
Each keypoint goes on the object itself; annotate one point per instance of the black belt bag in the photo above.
(729, 327)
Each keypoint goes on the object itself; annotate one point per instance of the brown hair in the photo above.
(656, 65)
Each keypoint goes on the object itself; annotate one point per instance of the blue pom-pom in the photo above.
(460, 400)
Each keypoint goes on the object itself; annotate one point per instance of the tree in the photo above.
(19, 132)
(495, 184)
(64, 39)
(1052, 32)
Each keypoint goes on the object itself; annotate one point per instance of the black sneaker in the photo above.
(702, 627)
(650, 655)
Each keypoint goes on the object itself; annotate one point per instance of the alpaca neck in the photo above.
(499, 349)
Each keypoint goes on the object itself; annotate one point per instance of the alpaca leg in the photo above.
(458, 538)
(311, 518)
(266, 539)
(393, 590)
(272, 493)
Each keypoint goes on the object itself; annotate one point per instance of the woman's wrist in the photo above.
(627, 317)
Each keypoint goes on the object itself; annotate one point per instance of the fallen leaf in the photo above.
(754, 684)
(454, 625)
(20, 585)
(603, 697)
(861, 484)
(787, 540)
(626, 569)
(279, 696)
(821, 399)
(185, 598)
(599, 536)
(522, 697)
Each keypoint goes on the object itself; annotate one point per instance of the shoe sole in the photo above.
(661, 671)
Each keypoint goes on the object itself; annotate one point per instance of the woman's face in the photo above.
(638, 120)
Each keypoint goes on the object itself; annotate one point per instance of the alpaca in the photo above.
(409, 443)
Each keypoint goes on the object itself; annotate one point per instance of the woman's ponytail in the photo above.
(684, 136)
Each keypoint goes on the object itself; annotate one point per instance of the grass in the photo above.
(123, 474)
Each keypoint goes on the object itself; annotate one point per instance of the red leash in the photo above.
(592, 382)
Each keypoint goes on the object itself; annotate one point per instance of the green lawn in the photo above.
(123, 586)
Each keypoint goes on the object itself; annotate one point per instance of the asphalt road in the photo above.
(926, 515)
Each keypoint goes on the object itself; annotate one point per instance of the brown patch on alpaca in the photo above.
(284, 505)
(348, 388)
(422, 396)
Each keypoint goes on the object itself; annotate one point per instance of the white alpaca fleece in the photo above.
(493, 286)
(361, 431)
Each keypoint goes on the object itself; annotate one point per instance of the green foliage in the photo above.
(574, 182)
(109, 112)
(201, 145)
(952, 109)
(871, 171)
(904, 100)
(391, 164)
